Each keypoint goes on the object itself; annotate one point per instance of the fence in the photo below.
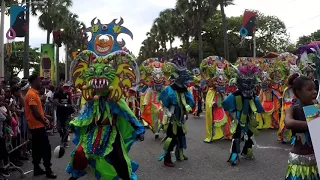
(23, 142)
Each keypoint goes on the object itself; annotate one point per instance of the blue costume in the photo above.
(177, 102)
(243, 106)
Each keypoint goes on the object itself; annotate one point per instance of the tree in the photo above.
(73, 36)
(14, 61)
(271, 36)
(306, 39)
(53, 13)
(224, 3)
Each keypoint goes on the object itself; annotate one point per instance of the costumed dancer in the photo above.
(288, 67)
(177, 101)
(268, 98)
(243, 105)
(133, 101)
(232, 84)
(106, 127)
(308, 67)
(141, 93)
(196, 92)
(156, 79)
(217, 125)
(277, 82)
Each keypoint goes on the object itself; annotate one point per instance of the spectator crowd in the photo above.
(30, 110)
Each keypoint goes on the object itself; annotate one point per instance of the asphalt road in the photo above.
(206, 161)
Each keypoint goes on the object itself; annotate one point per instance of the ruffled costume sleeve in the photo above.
(168, 97)
(229, 103)
(189, 99)
(258, 105)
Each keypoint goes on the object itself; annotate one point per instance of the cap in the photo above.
(66, 85)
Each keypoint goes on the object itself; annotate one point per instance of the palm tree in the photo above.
(52, 15)
(196, 13)
(184, 27)
(224, 3)
(72, 35)
(168, 19)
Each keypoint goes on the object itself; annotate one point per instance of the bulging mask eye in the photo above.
(91, 69)
(104, 27)
(106, 69)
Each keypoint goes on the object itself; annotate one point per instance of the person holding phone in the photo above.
(37, 121)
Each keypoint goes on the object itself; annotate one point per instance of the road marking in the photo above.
(272, 147)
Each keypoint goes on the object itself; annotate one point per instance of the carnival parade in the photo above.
(236, 100)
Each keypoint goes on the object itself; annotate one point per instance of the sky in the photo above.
(301, 17)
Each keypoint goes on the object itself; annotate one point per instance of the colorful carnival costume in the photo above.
(133, 100)
(106, 127)
(155, 75)
(243, 106)
(196, 91)
(288, 67)
(217, 125)
(177, 101)
(141, 93)
(277, 83)
(269, 98)
(308, 55)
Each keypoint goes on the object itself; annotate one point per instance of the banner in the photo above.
(248, 23)
(312, 114)
(47, 62)
(18, 22)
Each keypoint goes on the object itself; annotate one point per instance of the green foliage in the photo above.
(52, 14)
(306, 39)
(271, 35)
(14, 62)
(72, 35)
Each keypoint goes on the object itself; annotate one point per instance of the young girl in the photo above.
(302, 162)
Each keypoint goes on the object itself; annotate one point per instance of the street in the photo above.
(206, 161)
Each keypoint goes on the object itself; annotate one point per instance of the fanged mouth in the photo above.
(99, 84)
(158, 81)
(102, 50)
(247, 92)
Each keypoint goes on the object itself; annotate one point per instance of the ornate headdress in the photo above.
(215, 68)
(247, 78)
(154, 71)
(181, 75)
(104, 69)
(290, 64)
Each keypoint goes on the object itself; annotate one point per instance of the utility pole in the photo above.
(26, 43)
(225, 33)
(66, 65)
(3, 8)
(57, 66)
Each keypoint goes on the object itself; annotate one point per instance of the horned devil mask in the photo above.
(182, 77)
(247, 80)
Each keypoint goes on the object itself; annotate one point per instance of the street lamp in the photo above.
(26, 38)
(26, 43)
(3, 7)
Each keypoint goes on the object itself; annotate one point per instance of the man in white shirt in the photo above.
(50, 92)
